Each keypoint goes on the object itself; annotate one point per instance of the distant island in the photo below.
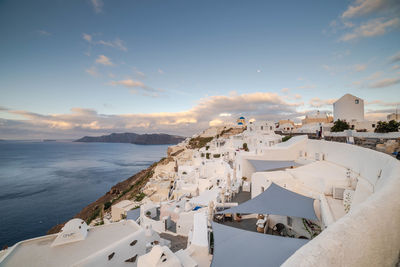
(133, 138)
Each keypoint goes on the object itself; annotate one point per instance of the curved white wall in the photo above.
(369, 234)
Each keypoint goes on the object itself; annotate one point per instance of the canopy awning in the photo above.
(270, 165)
(277, 200)
(236, 247)
(133, 214)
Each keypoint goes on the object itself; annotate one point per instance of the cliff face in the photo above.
(133, 138)
(132, 186)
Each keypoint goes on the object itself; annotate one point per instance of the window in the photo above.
(262, 189)
(357, 101)
(373, 125)
(262, 128)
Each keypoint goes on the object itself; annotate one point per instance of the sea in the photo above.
(46, 183)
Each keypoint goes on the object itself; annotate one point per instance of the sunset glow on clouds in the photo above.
(161, 67)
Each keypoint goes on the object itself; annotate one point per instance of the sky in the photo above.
(92, 67)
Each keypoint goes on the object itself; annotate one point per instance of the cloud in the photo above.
(359, 67)
(103, 60)
(395, 67)
(87, 37)
(365, 7)
(92, 71)
(385, 83)
(137, 87)
(160, 71)
(285, 90)
(376, 80)
(128, 83)
(141, 74)
(97, 5)
(382, 103)
(260, 105)
(317, 102)
(307, 86)
(43, 33)
(117, 43)
(371, 28)
(395, 58)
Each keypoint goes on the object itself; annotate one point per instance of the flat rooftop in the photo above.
(38, 251)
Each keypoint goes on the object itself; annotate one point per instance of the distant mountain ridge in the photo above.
(133, 138)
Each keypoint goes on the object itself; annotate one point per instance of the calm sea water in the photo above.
(46, 183)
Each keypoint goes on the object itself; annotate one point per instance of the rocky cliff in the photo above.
(133, 138)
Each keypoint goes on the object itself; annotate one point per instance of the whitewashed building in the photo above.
(348, 108)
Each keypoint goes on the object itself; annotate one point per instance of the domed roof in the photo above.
(241, 118)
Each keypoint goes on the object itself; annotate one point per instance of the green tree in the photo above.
(387, 127)
(340, 126)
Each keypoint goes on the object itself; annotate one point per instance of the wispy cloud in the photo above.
(316, 102)
(92, 71)
(385, 83)
(97, 5)
(307, 86)
(137, 87)
(103, 60)
(375, 80)
(359, 67)
(117, 43)
(382, 103)
(395, 67)
(395, 58)
(43, 33)
(371, 28)
(87, 37)
(365, 7)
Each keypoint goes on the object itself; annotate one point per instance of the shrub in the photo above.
(217, 155)
(140, 196)
(207, 155)
(107, 205)
(245, 148)
(93, 216)
(284, 139)
(202, 155)
(387, 127)
(199, 142)
(340, 126)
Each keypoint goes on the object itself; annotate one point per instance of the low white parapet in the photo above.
(364, 134)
